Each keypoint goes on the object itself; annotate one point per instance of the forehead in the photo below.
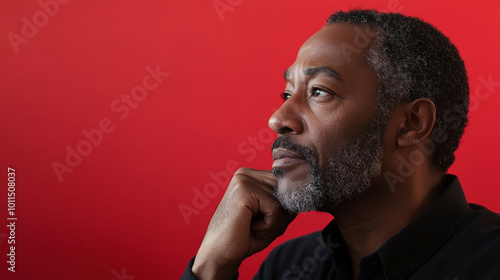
(339, 46)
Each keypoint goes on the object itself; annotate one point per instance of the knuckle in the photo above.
(240, 185)
(243, 170)
(242, 174)
(239, 178)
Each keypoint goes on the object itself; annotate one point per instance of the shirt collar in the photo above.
(403, 253)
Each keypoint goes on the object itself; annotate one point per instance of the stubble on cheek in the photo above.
(292, 178)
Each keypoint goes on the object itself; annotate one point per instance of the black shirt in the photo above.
(450, 240)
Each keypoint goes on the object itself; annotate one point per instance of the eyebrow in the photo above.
(321, 70)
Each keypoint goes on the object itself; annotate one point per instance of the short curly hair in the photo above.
(413, 59)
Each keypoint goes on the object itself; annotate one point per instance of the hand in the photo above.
(246, 221)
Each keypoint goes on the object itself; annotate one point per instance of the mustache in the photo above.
(286, 143)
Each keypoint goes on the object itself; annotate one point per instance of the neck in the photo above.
(369, 220)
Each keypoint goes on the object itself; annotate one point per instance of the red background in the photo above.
(119, 208)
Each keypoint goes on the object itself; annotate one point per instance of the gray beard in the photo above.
(348, 174)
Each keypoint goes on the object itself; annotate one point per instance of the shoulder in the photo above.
(481, 225)
(486, 217)
(474, 249)
(481, 229)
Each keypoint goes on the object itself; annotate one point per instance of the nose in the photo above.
(287, 119)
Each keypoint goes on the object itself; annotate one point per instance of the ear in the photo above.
(417, 123)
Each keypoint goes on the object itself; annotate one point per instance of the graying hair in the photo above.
(412, 59)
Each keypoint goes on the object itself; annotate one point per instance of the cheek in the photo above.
(390, 148)
(298, 178)
(331, 126)
(326, 143)
(324, 133)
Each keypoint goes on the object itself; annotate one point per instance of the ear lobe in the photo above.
(417, 123)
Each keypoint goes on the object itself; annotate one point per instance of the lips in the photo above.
(285, 158)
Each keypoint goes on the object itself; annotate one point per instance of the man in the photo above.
(375, 106)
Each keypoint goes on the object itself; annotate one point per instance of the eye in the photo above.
(285, 96)
(318, 92)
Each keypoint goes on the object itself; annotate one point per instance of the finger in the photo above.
(263, 176)
(272, 226)
(270, 215)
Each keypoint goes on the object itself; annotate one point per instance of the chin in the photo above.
(288, 185)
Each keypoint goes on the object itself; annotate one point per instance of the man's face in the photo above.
(330, 133)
